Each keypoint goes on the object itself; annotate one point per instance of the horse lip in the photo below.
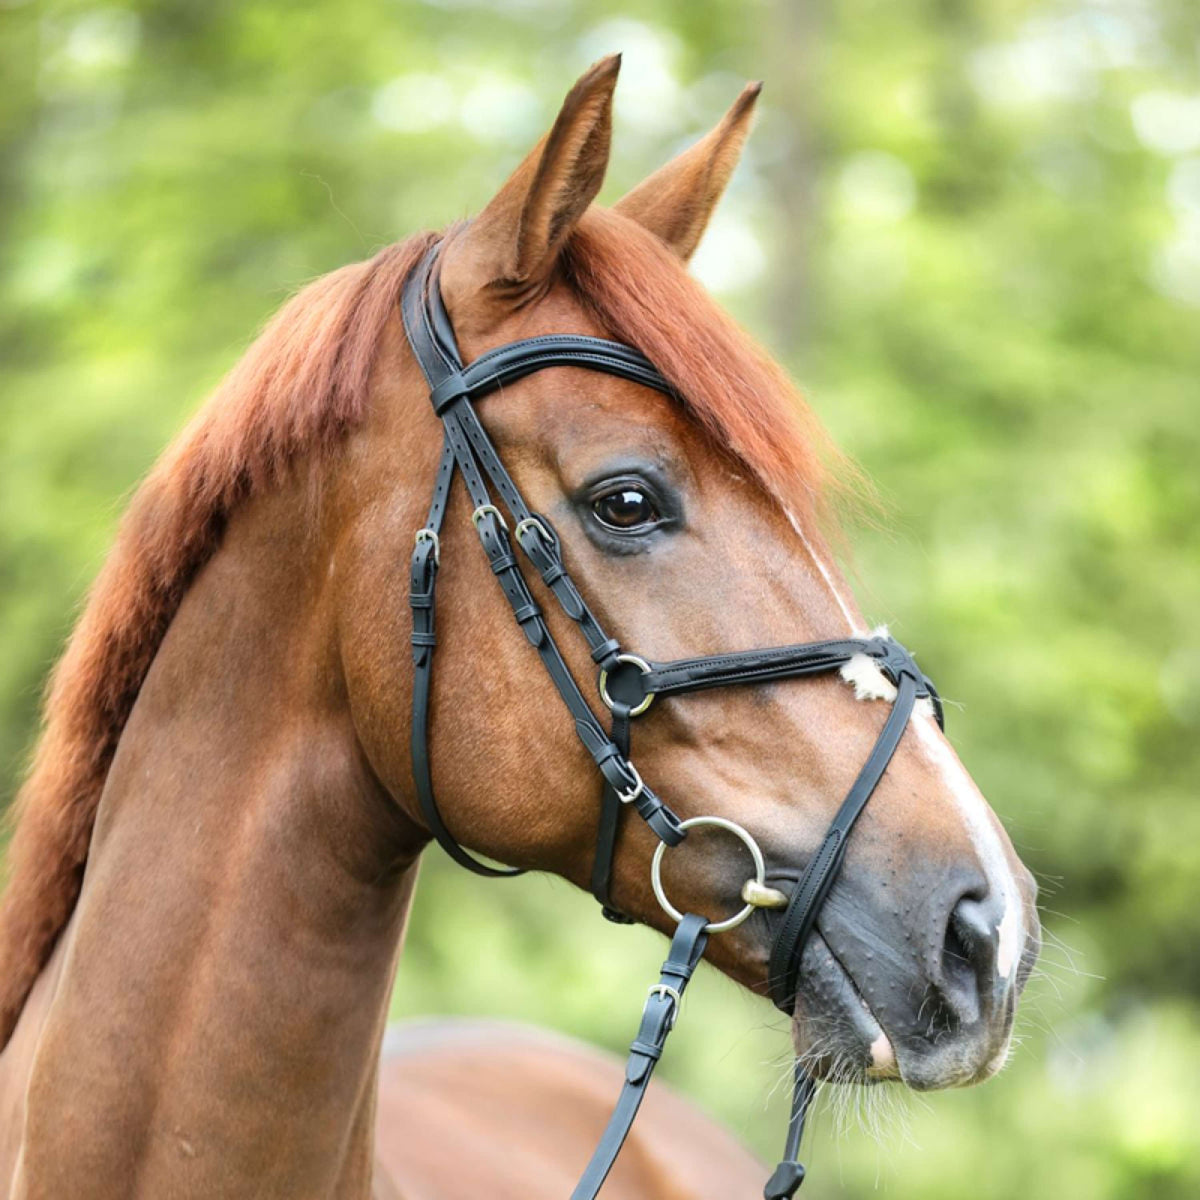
(875, 1044)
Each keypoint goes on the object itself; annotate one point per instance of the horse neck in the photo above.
(224, 983)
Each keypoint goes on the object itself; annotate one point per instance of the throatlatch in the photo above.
(627, 686)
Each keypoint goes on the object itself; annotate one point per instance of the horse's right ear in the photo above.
(511, 248)
(676, 202)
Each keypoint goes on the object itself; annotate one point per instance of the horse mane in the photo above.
(293, 396)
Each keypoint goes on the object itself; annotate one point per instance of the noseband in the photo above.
(627, 686)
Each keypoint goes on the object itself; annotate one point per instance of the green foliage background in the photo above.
(971, 227)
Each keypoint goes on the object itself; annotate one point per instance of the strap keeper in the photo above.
(452, 388)
(527, 612)
(418, 638)
(504, 561)
(606, 653)
(649, 1049)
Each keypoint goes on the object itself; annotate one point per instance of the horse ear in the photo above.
(676, 202)
(512, 246)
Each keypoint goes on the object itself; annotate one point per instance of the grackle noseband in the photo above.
(627, 686)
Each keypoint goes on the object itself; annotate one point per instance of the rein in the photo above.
(627, 686)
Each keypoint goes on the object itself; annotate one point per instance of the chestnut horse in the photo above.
(218, 842)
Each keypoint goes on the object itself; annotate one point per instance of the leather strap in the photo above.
(809, 893)
(507, 364)
(421, 598)
(658, 1019)
(789, 1174)
(471, 451)
(610, 826)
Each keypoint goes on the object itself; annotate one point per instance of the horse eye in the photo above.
(625, 508)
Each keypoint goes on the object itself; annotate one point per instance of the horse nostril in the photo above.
(969, 955)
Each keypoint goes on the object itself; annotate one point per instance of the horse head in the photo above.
(691, 524)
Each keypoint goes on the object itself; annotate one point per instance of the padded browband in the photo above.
(507, 364)
(630, 682)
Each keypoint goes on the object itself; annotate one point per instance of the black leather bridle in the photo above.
(627, 685)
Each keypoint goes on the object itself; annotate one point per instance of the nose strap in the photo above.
(813, 886)
(781, 662)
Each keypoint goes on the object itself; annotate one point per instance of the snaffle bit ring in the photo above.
(760, 871)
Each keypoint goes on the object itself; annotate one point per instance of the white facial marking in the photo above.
(883, 1059)
(984, 838)
(871, 684)
(855, 629)
(1010, 939)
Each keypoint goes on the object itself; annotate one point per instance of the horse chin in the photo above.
(834, 1030)
(840, 1039)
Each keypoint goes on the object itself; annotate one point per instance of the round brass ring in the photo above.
(760, 870)
(643, 666)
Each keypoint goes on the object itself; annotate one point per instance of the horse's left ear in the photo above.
(677, 201)
(511, 248)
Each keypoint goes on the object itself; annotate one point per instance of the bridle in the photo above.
(627, 686)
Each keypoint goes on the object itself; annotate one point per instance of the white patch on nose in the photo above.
(883, 1059)
(1010, 940)
(855, 629)
(984, 837)
(870, 683)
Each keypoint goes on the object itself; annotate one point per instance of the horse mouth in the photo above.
(834, 1029)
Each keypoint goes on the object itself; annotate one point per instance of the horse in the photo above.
(217, 845)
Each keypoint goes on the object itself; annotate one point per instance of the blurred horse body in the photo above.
(456, 1098)
(218, 842)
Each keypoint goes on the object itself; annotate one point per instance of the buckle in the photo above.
(667, 992)
(483, 510)
(430, 535)
(631, 794)
(533, 523)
